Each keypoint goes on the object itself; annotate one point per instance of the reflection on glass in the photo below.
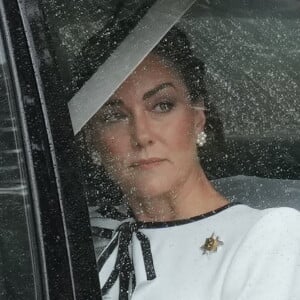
(18, 272)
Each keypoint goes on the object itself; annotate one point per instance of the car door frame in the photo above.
(66, 255)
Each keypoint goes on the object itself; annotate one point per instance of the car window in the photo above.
(250, 57)
(19, 272)
(252, 81)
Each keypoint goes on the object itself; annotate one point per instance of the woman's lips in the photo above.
(147, 163)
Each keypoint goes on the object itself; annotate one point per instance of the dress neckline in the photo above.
(172, 223)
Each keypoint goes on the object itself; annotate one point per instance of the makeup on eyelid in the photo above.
(115, 113)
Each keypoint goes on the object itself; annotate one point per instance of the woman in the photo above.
(185, 240)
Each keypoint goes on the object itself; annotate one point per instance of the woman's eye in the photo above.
(111, 117)
(164, 106)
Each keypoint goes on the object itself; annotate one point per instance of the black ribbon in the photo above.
(123, 268)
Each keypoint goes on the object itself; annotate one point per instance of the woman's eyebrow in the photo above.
(157, 89)
(113, 102)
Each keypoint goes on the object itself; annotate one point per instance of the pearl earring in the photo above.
(201, 139)
(96, 158)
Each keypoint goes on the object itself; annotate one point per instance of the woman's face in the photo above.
(146, 132)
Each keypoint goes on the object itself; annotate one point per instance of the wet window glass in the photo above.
(19, 275)
(180, 110)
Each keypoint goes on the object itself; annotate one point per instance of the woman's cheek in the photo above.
(184, 133)
(114, 148)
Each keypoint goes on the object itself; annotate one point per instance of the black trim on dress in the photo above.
(163, 224)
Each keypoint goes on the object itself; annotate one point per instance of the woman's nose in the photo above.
(141, 131)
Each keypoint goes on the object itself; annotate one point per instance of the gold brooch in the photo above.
(211, 244)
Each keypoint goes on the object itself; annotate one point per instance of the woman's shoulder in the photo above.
(277, 226)
(272, 233)
(267, 257)
(275, 219)
(104, 222)
(247, 226)
(279, 217)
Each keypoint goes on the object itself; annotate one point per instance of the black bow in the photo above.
(124, 268)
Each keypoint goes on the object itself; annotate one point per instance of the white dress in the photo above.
(259, 258)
